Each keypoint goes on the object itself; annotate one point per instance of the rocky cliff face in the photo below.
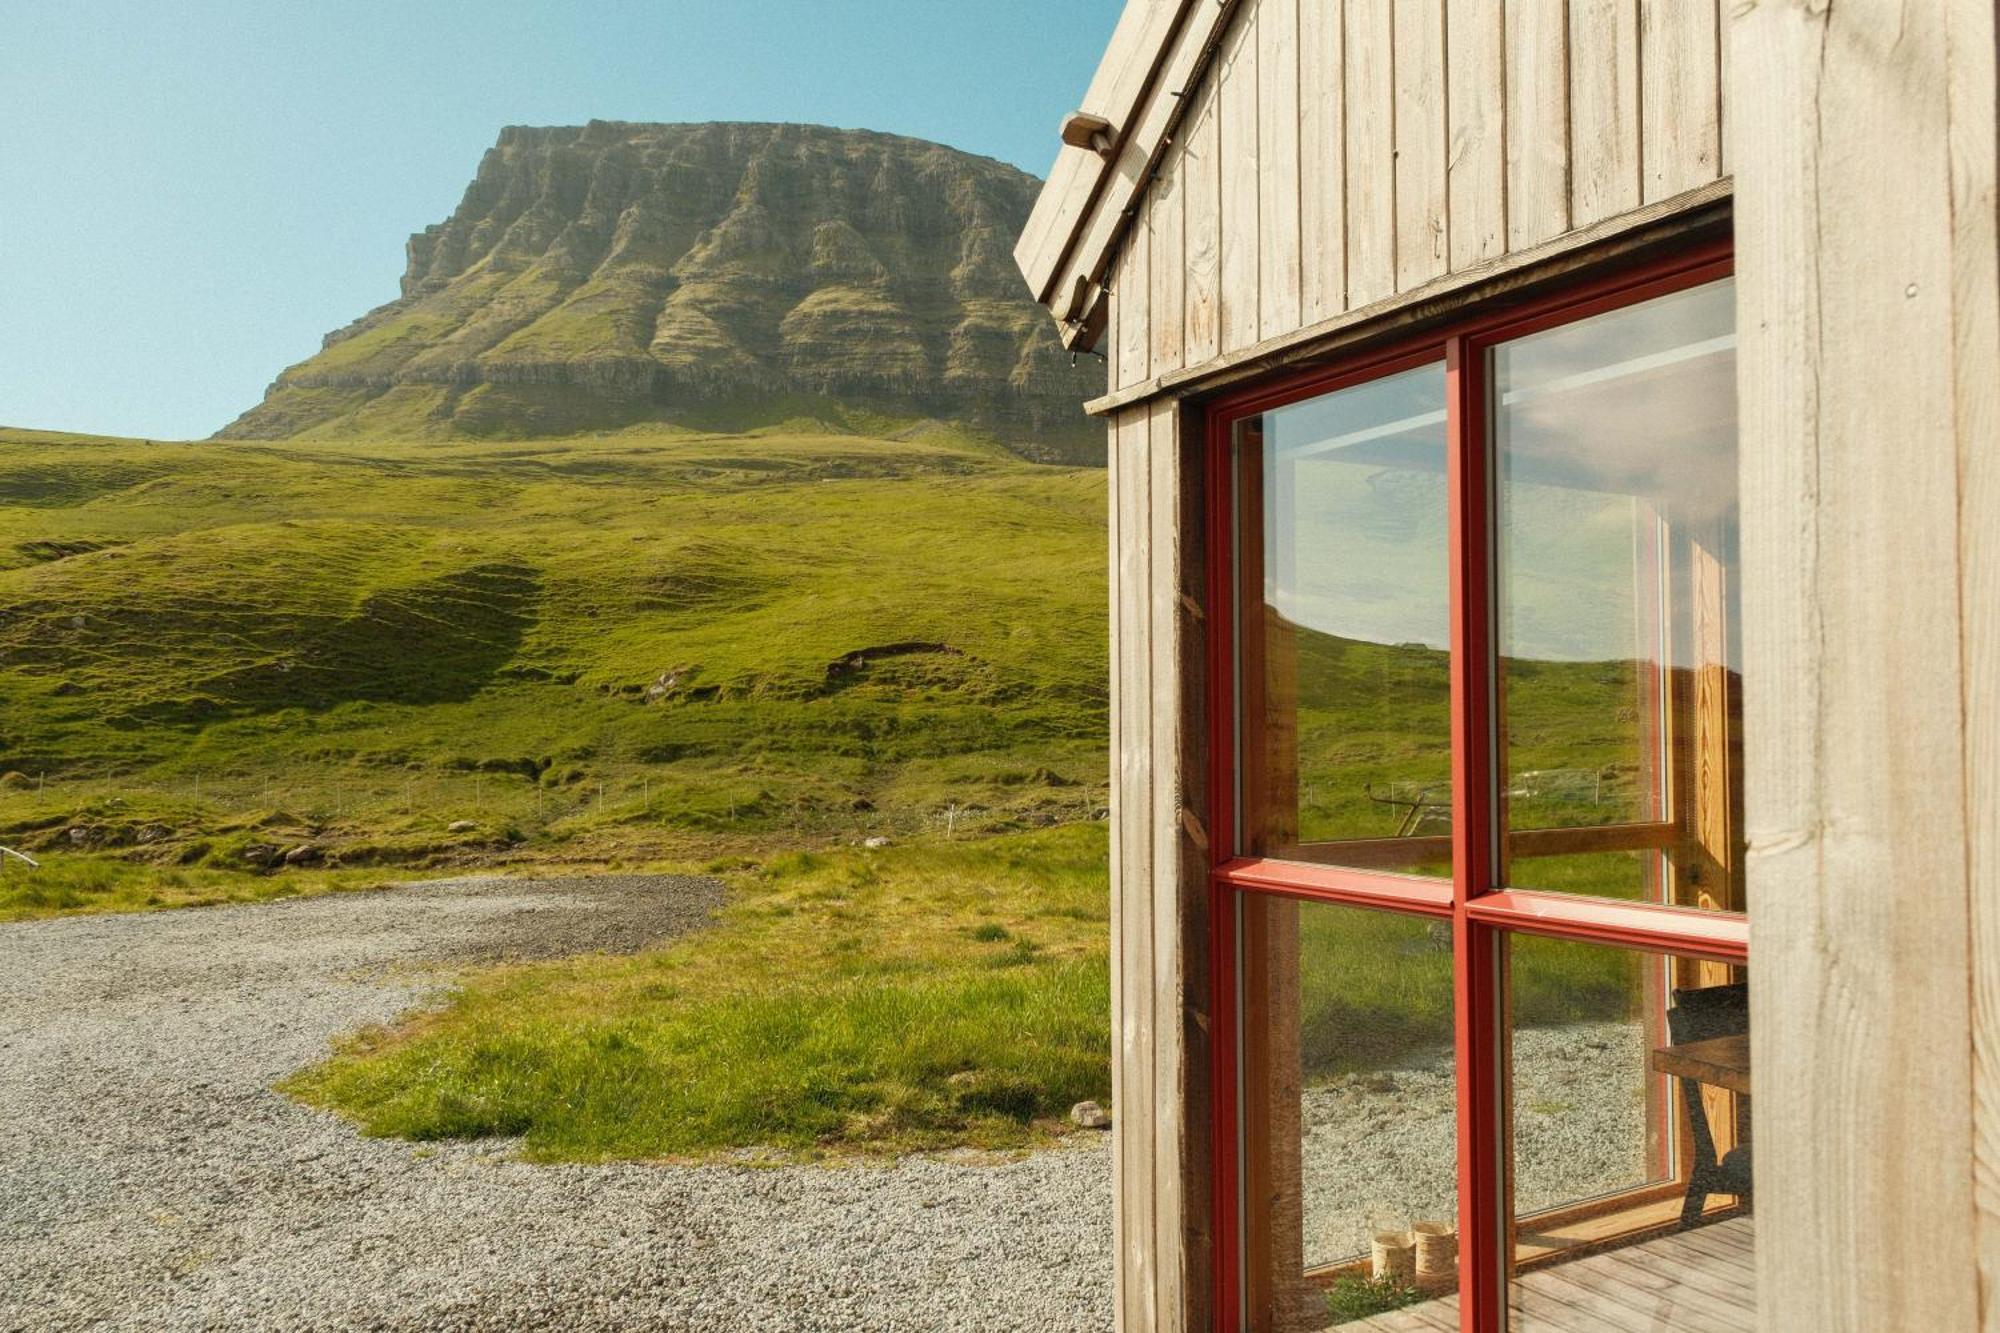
(719, 276)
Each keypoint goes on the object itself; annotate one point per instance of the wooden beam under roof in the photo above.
(1157, 52)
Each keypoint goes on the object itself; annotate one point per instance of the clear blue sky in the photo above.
(193, 191)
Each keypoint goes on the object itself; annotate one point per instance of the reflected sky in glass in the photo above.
(1355, 490)
(1598, 423)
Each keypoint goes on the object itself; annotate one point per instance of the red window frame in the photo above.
(1481, 909)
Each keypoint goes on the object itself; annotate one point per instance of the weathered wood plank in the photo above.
(1702, 1249)
(1974, 105)
(1133, 932)
(1113, 338)
(1722, 100)
(1439, 1316)
(1201, 190)
(1600, 1305)
(1651, 1281)
(1857, 829)
(1537, 125)
(1240, 259)
(1119, 203)
(1654, 1284)
(1544, 1305)
(1604, 108)
(1278, 258)
(1475, 51)
(1422, 246)
(1132, 290)
(1167, 260)
(1507, 274)
(1169, 1067)
(1114, 94)
(1118, 460)
(1322, 161)
(1682, 134)
(1371, 151)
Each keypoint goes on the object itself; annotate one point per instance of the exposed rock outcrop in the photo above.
(719, 276)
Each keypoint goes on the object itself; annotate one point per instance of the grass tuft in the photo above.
(836, 1010)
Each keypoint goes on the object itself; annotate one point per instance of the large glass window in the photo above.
(1615, 444)
(1346, 627)
(1629, 1121)
(1481, 674)
(1349, 1086)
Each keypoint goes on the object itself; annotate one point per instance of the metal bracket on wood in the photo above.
(1080, 129)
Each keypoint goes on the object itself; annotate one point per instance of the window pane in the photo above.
(1344, 628)
(1630, 1113)
(1620, 678)
(1349, 1097)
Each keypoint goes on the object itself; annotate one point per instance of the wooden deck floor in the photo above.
(1699, 1281)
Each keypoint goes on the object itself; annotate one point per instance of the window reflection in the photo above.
(1349, 1098)
(1345, 627)
(1629, 1112)
(1615, 441)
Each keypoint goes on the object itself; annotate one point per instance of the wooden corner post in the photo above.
(1162, 1127)
(1863, 142)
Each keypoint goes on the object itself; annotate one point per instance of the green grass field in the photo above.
(627, 650)
(614, 647)
(851, 1001)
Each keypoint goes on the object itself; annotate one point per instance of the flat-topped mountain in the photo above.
(720, 276)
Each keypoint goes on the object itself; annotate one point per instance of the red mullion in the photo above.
(1689, 932)
(1339, 884)
(1476, 986)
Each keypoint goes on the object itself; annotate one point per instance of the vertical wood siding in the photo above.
(1197, 162)
(1322, 158)
(1348, 151)
(1277, 137)
(1864, 150)
(1864, 142)
(1236, 223)
(1419, 107)
(1973, 88)
(1604, 109)
(1336, 155)
(1159, 873)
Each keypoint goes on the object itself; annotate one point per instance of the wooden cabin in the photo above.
(1555, 533)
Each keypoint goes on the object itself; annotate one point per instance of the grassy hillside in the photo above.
(623, 644)
(748, 651)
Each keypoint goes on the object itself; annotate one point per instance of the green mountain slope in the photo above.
(636, 640)
(720, 277)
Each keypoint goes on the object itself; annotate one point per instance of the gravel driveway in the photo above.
(149, 1179)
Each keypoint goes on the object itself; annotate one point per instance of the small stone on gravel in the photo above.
(1089, 1115)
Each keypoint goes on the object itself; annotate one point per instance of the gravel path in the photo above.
(149, 1179)
(1381, 1148)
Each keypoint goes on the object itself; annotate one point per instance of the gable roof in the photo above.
(1157, 54)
